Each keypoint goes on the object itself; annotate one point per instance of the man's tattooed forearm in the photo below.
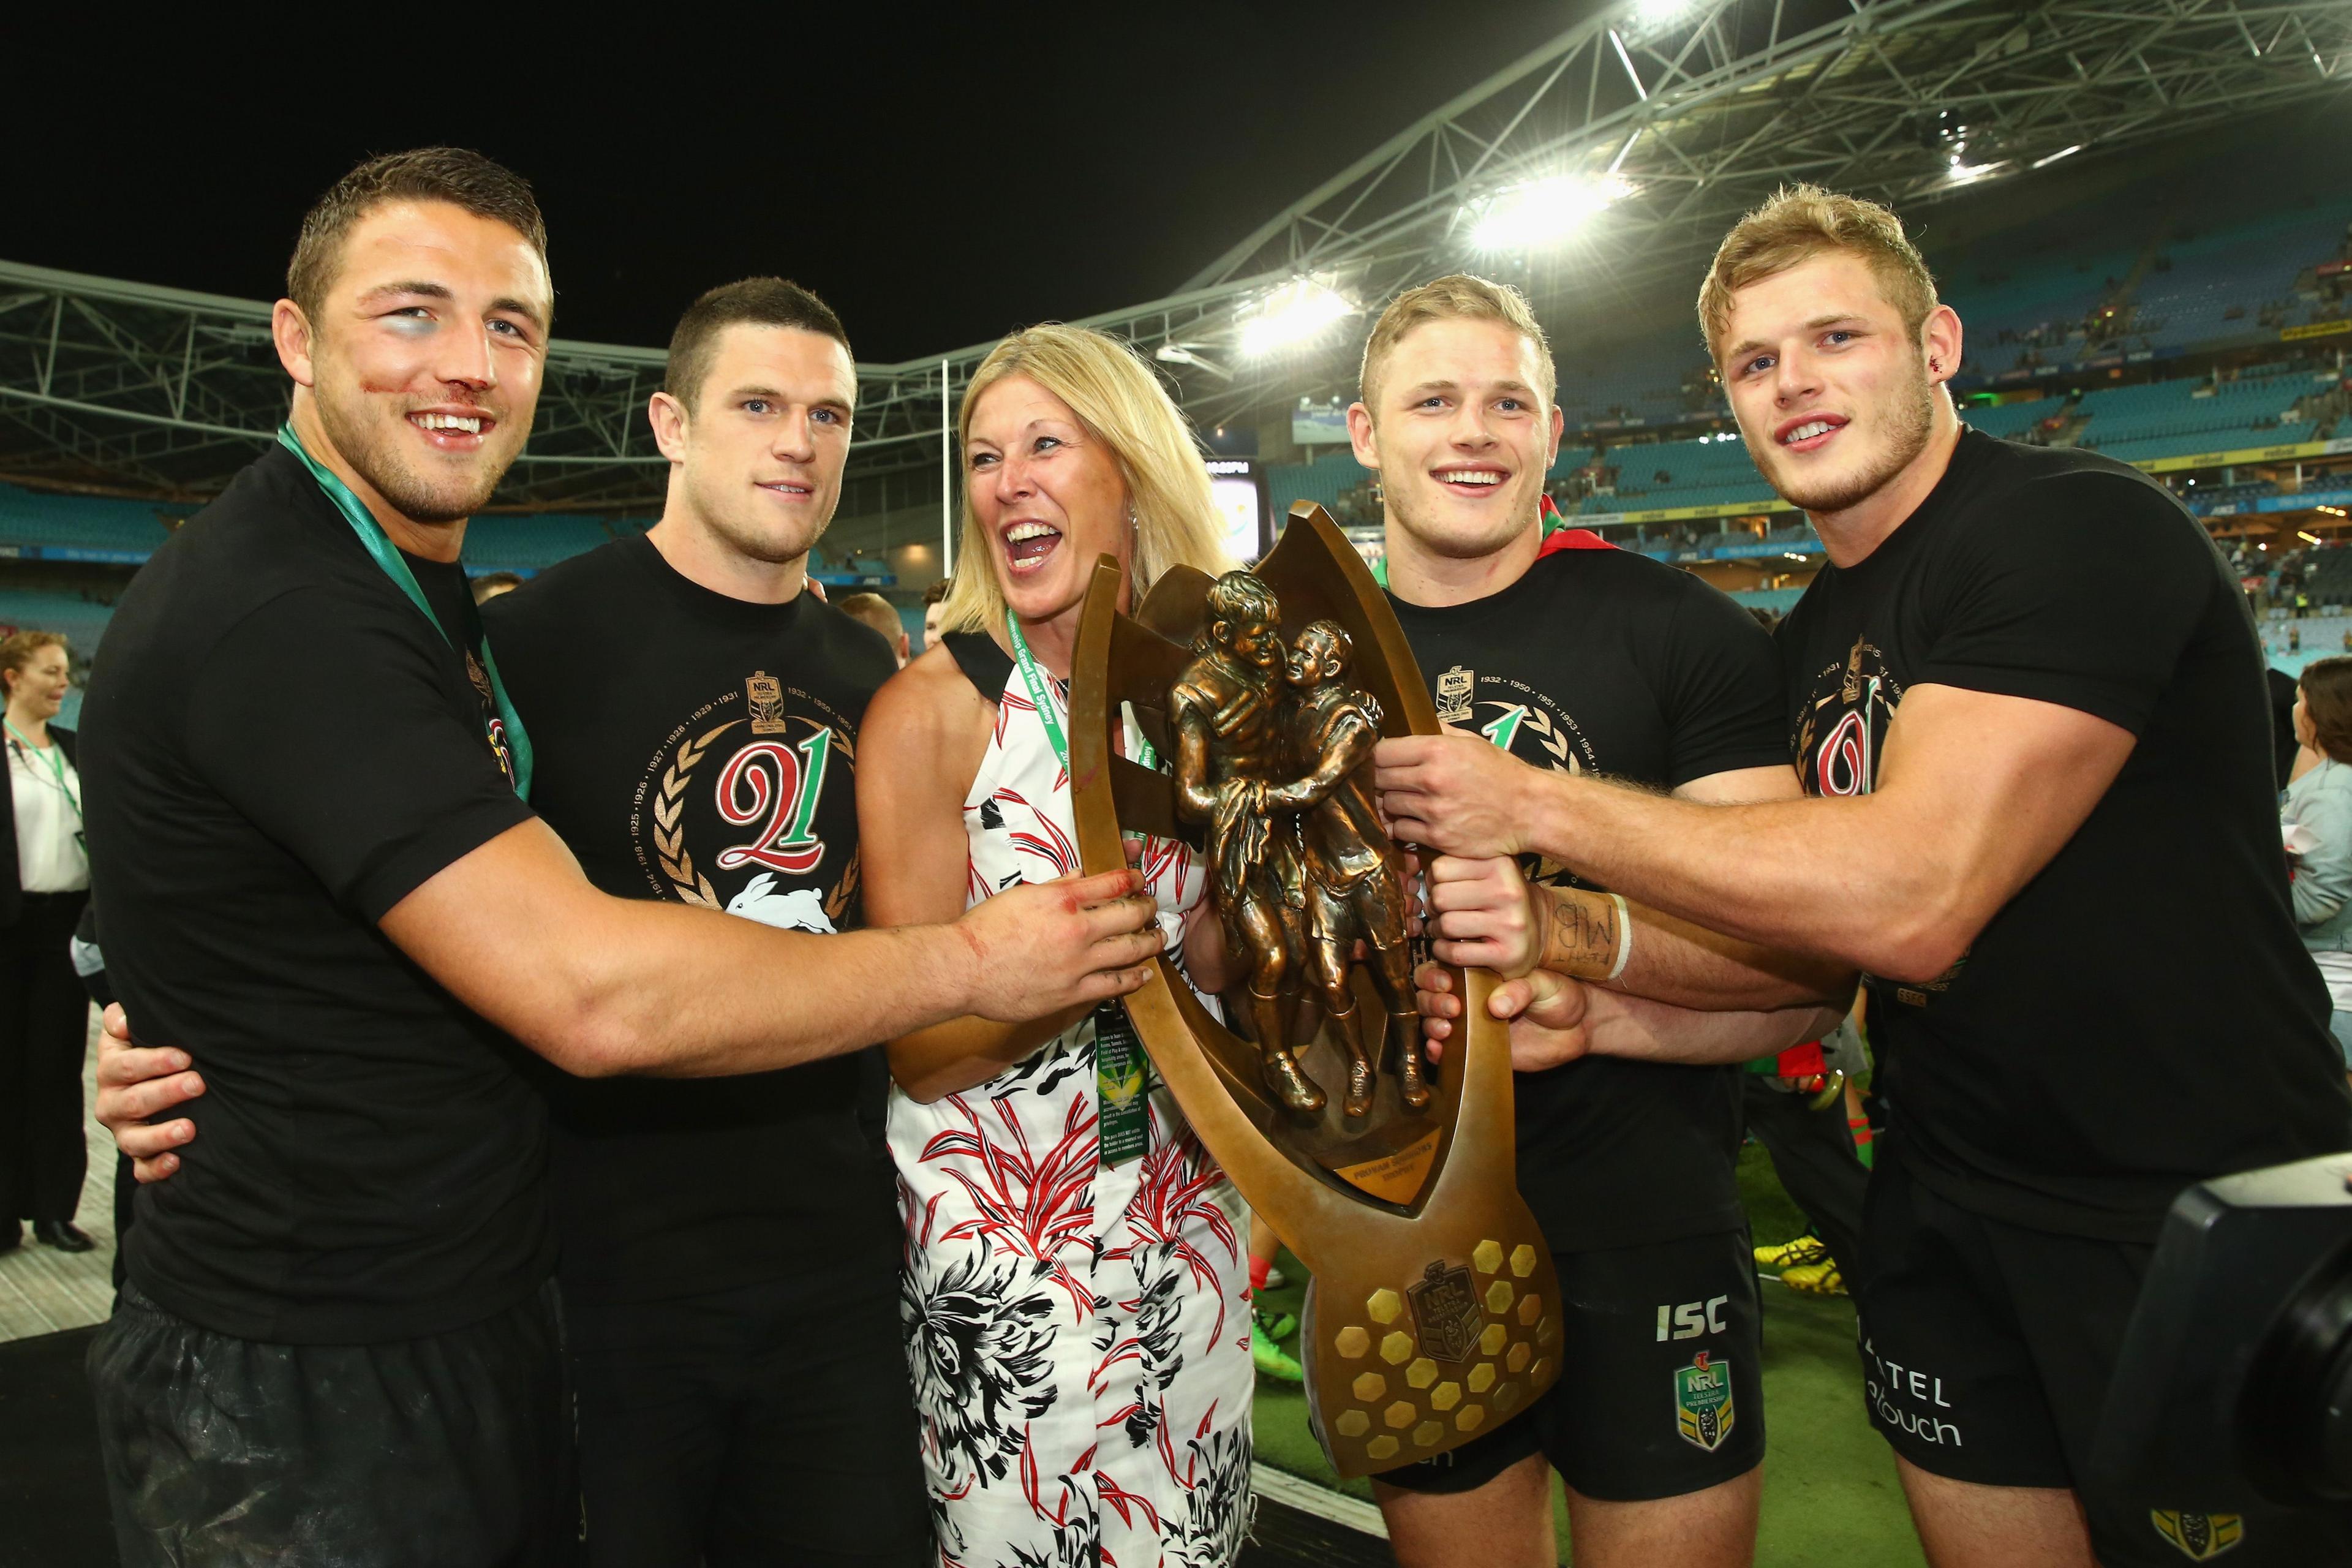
(1579, 933)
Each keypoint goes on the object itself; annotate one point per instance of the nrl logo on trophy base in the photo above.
(1434, 1311)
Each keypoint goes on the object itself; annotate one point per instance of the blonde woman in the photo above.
(1077, 1326)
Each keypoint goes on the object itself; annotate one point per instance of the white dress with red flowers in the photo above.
(1077, 1335)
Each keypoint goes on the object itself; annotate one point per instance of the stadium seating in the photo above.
(1319, 482)
(1640, 383)
(33, 609)
(2216, 284)
(533, 544)
(66, 523)
(1696, 473)
(2011, 420)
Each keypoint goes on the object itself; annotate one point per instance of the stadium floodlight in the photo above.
(1291, 315)
(1543, 212)
(1646, 19)
(2048, 159)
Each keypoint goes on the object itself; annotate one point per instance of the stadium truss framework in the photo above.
(1685, 112)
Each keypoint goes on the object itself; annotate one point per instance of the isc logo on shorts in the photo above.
(1692, 1319)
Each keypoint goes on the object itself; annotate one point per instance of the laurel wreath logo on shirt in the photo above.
(677, 861)
(669, 813)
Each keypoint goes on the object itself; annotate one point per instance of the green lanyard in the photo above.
(1035, 680)
(1123, 1075)
(55, 757)
(508, 737)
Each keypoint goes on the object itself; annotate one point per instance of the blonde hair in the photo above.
(1458, 297)
(1122, 405)
(1798, 223)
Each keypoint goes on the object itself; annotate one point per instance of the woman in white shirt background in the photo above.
(43, 1012)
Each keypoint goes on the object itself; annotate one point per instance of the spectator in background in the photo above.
(490, 584)
(877, 612)
(2316, 821)
(932, 596)
(44, 1015)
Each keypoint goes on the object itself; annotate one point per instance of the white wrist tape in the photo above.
(1624, 936)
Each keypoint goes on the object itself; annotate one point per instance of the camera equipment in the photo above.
(2236, 1370)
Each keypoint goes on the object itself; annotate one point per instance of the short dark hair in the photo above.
(758, 301)
(463, 178)
(935, 592)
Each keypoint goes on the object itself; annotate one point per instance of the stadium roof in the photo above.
(1617, 153)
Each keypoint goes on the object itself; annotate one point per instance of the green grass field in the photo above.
(1830, 1491)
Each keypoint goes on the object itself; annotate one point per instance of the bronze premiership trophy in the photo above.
(1434, 1313)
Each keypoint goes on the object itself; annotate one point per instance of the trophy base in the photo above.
(1403, 1368)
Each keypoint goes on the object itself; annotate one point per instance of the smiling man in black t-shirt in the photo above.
(729, 1248)
(1578, 659)
(338, 1339)
(2027, 698)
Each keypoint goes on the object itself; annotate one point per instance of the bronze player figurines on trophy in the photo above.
(1433, 1313)
(1354, 882)
(1231, 747)
(1301, 869)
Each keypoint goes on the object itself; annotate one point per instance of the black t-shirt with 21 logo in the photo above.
(703, 749)
(2141, 1013)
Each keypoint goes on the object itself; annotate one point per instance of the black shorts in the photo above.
(1987, 1353)
(452, 1449)
(762, 1424)
(1661, 1390)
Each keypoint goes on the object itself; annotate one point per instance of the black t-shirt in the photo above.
(1600, 661)
(278, 748)
(2141, 1015)
(700, 749)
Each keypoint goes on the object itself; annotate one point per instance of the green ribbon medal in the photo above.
(510, 743)
(1122, 1068)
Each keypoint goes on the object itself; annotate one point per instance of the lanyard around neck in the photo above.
(1035, 680)
(514, 742)
(54, 758)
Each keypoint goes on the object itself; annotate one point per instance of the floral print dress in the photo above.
(1078, 1334)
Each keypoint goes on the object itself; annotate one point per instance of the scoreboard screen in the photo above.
(1239, 486)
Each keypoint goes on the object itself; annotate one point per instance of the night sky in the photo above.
(939, 181)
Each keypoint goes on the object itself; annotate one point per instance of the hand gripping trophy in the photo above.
(1433, 1313)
